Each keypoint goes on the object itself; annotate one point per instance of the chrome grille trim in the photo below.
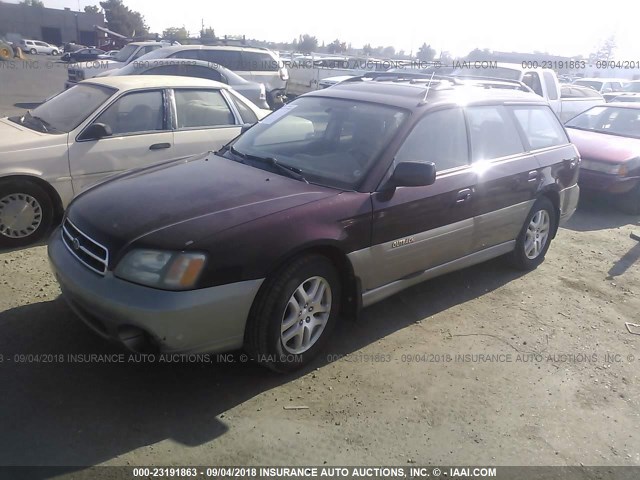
(86, 244)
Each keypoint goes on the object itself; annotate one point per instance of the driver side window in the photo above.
(135, 113)
(440, 137)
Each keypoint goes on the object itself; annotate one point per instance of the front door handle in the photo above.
(532, 176)
(159, 146)
(571, 162)
(464, 195)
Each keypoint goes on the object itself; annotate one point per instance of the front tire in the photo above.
(535, 236)
(54, 53)
(26, 213)
(294, 314)
(33, 51)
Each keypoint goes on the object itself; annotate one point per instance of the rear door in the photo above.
(415, 228)
(204, 120)
(507, 176)
(141, 136)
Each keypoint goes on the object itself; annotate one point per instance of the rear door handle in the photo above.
(159, 146)
(464, 195)
(533, 176)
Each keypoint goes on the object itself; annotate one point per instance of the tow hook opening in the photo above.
(137, 340)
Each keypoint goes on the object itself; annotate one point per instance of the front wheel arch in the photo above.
(56, 201)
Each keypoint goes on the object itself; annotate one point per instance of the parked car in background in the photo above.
(72, 47)
(35, 47)
(336, 201)
(627, 97)
(603, 85)
(259, 65)
(608, 139)
(254, 92)
(83, 55)
(110, 54)
(132, 51)
(632, 87)
(544, 82)
(99, 128)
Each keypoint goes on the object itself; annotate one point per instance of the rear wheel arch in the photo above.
(554, 197)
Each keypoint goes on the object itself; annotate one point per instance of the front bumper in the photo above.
(569, 198)
(605, 182)
(195, 321)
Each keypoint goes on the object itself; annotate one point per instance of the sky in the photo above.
(561, 27)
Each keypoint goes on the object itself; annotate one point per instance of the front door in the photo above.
(416, 228)
(140, 137)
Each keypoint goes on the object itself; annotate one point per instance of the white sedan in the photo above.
(101, 127)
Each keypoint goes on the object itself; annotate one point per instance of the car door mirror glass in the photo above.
(96, 131)
(413, 174)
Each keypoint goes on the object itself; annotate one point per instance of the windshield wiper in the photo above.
(287, 170)
(46, 126)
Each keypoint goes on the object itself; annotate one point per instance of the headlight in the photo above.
(603, 167)
(263, 92)
(161, 269)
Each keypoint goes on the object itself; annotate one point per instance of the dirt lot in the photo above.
(551, 376)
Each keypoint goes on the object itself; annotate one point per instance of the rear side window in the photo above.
(258, 62)
(493, 135)
(185, 70)
(227, 58)
(188, 54)
(440, 137)
(532, 80)
(202, 108)
(245, 112)
(540, 126)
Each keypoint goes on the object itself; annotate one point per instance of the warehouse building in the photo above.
(49, 24)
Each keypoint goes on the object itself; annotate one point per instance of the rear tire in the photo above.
(629, 202)
(26, 213)
(535, 236)
(292, 317)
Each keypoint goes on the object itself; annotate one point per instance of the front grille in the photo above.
(93, 255)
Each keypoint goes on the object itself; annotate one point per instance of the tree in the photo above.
(122, 19)
(389, 51)
(175, 33)
(605, 52)
(307, 43)
(426, 53)
(367, 50)
(337, 46)
(477, 54)
(32, 3)
(91, 9)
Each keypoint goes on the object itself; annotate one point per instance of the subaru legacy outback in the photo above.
(332, 203)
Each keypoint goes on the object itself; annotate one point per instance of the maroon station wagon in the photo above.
(608, 139)
(334, 202)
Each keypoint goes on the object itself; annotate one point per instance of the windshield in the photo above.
(329, 141)
(613, 120)
(498, 72)
(67, 110)
(124, 54)
(589, 83)
(632, 87)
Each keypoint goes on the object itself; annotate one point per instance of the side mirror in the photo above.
(413, 174)
(246, 127)
(96, 131)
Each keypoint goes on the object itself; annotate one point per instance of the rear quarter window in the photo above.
(540, 126)
(259, 62)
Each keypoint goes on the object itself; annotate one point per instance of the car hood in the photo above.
(16, 138)
(604, 147)
(177, 203)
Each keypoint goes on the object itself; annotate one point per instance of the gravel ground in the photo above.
(482, 366)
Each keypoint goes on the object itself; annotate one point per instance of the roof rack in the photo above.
(416, 77)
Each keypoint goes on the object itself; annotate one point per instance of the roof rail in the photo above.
(416, 77)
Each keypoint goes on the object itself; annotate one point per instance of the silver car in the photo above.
(198, 69)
